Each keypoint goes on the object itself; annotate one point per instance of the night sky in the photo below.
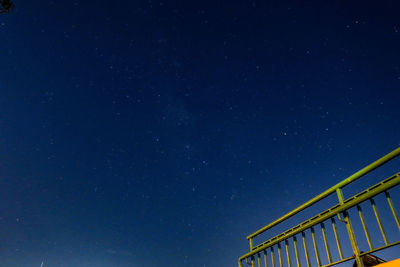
(148, 133)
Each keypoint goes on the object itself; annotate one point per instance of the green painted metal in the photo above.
(296, 251)
(378, 219)
(338, 244)
(251, 247)
(303, 236)
(364, 224)
(328, 251)
(288, 253)
(350, 231)
(395, 216)
(315, 247)
(331, 190)
(272, 257)
(251, 243)
(381, 248)
(280, 255)
(265, 258)
(327, 214)
(337, 262)
(336, 210)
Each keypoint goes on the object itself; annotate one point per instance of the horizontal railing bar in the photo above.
(337, 262)
(349, 203)
(362, 254)
(380, 248)
(331, 190)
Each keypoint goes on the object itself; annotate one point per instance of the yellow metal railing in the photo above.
(341, 209)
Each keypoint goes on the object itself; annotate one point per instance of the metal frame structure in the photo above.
(339, 210)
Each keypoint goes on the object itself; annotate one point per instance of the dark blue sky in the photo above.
(147, 133)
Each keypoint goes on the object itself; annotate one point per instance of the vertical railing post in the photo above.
(272, 257)
(378, 219)
(289, 261)
(303, 236)
(396, 217)
(315, 246)
(364, 224)
(265, 259)
(350, 230)
(339, 245)
(296, 250)
(280, 255)
(328, 252)
(251, 248)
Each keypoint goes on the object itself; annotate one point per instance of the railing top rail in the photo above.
(331, 190)
(362, 196)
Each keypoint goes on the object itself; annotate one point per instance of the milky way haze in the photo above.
(147, 133)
